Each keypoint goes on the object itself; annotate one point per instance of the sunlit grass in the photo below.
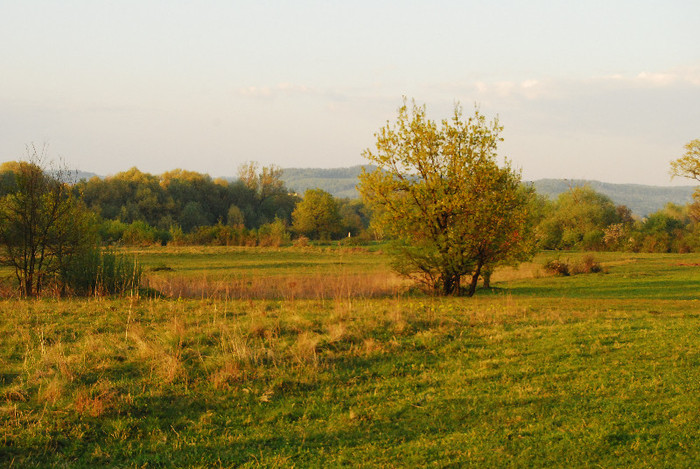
(540, 372)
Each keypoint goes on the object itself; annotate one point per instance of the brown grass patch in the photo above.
(314, 286)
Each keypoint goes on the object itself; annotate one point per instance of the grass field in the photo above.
(593, 370)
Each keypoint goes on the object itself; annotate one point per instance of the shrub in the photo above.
(301, 242)
(111, 231)
(273, 234)
(557, 267)
(588, 265)
(140, 233)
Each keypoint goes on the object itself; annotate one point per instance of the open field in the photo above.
(594, 370)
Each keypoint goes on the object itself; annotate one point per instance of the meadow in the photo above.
(321, 357)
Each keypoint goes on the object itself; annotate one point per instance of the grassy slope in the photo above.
(546, 372)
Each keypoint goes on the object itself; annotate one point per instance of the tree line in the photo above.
(435, 193)
(186, 207)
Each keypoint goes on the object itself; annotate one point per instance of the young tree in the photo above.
(42, 224)
(316, 216)
(439, 193)
(688, 165)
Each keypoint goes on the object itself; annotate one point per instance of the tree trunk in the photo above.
(475, 279)
(486, 277)
(450, 285)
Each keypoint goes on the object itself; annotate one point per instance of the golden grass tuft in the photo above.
(53, 391)
(305, 348)
(95, 400)
(228, 374)
(336, 332)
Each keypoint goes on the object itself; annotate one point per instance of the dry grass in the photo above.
(526, 270)
(313, 286)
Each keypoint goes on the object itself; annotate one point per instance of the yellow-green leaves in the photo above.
(439, 193)
(688, 165)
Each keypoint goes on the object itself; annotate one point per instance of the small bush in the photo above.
(273, 234)
(557, 267)
(301, 242)
(588, 265)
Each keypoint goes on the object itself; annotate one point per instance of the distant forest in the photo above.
(269, 206)
(641, 199)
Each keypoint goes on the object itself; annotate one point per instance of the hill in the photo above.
(340, 182)
(641, 199)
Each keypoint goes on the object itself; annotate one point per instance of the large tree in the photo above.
(42, 224)
(440, 194)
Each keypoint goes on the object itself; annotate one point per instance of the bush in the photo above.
(140, 233)
(557, 267)
(273, 234)
(301, 242)
(587, 265)
(111, 231)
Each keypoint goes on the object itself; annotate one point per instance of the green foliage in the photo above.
(42, 224)
(316, 216)
(440, 194)
(111, 231)
(641, 199)
(273, 234)
(234, 216)
(140, 233)
(189, 199)
(688, 166)
(578, 220)
(354, 217)
(192, 216)
(97, 271)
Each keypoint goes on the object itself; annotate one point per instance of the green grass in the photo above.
(627, 275)
(231, 262)
(542, 372)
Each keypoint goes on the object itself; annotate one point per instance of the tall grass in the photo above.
(287, 287)
(99, 271)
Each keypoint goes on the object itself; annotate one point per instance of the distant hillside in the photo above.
(641, 199)
(340, 182)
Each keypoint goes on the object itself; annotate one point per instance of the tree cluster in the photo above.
(189, 200)
(185, 207)
(583, 219)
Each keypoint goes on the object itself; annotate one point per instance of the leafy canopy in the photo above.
(439, 193)
(316, 216)
(688, 165)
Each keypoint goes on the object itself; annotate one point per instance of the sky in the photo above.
(604, 90)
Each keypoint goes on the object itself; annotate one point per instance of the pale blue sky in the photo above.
(606, 90)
